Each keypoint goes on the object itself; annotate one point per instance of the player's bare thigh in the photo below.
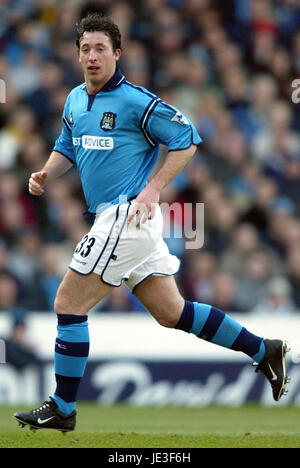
(161, 297)
(77, 294)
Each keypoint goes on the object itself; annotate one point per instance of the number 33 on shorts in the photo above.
(85, 245)
(85, 255)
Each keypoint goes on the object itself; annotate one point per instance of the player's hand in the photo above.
(36, 183)
(145, 206)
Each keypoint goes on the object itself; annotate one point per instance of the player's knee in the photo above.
(167, 320)
(65, 304)
(168, 313)
(62, 305)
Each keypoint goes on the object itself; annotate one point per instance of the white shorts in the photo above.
(118, 251)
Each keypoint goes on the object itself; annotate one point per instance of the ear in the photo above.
(117, 54)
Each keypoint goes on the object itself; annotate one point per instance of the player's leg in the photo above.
(109, 251)
(167, 310)
(101, 260)
(160, 296)
(76, 295)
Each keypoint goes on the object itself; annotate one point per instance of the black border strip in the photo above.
(68, 125)
(145, 118)
(155, 273)
(114, 248)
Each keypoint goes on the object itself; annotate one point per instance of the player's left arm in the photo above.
(166, 125)
(146, 202)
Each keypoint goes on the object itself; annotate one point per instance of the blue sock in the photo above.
(70, 358)
(211, 324)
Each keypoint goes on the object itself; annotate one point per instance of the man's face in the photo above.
(97, 57)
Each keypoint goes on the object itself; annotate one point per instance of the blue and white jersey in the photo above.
(113, 137)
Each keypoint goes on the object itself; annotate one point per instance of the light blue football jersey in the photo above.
(113, 137)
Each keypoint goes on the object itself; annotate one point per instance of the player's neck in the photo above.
(93, 87)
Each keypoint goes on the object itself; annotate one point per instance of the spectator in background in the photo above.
(244, 240)
(41, 98)
(13, 136)
(135, 63)
(123, 14)
(225, 218)
(277, 145)
(197, 280)
(10, 291)
(24, 255)
(30, 70)
(49, 273)
(24, 263)
(264, 31)
(265, 192)
(278, 300)
(225, 292)
(293, 268)
(4, 256)
(30, 157)
(20, 353)
(283, 226)
(252, 284)
(121, 300)
(17, 210)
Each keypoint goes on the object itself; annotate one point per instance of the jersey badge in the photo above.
(180, 118)
(108, 121)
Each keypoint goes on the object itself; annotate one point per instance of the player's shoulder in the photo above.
(138, 90)
(76, 92)
(138, 93)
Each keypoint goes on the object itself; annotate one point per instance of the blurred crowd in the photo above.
(229, 66)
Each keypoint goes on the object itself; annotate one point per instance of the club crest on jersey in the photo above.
(108, 121)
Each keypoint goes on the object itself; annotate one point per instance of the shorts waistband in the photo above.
(90, 216)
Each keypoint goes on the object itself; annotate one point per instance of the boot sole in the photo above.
(283, 391)
(35, 428)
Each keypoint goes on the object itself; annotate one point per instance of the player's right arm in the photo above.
(56, 166)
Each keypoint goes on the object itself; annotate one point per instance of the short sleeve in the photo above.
(64, 143)
(168, 126)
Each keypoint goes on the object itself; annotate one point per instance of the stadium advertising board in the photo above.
(156, 367)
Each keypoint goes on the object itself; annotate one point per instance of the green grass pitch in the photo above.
(123, 426)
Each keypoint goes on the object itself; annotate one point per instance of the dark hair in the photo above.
(98, 22)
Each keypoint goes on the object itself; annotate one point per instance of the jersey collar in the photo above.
(116, 80)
